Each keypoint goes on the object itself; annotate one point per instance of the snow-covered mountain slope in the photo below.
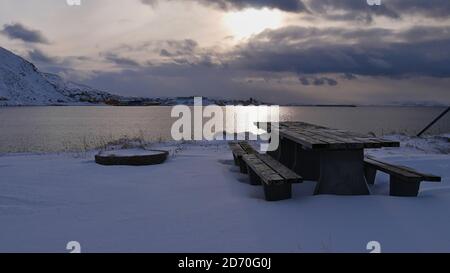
(79, 92)
(21, 83)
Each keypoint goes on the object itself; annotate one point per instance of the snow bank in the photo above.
(428, 144)
(198, 201)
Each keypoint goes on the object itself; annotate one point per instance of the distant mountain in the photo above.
(79, 92)
(22, 84)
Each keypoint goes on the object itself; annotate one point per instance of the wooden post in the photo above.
(434, 121)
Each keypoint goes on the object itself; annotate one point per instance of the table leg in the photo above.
(287, 152)
(342, 173)
(307, 163)
(276, 154)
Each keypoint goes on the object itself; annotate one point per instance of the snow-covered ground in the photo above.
(199, 202)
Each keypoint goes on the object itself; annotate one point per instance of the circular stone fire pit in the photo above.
(131, 157)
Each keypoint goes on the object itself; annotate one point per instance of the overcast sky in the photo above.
(286, 51)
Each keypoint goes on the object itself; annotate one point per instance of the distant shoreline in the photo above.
(170, 105)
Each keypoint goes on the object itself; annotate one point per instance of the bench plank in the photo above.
(247, 147)
(403, 181)
(267, 174)
(277, 179)
(236, 148)
(400, 170)
(276, 187)
(238, 152)
(391, 169)
(282, 170)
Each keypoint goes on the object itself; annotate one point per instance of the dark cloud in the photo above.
(167, 80)
(324, 80)
(321, 56)
(285, 5)
(337, 10)
(37, 55)
(424, 33)
(165, 53)
(149, 2)
(429, 8)
(304, 81)
(350, 10)
(317, 81)
(344, 51)
(164, 48)
(121, 61)
(347, 10)
(178, 47)
(349, 76)
(21, 32)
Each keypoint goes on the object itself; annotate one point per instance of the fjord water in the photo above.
(50, 129)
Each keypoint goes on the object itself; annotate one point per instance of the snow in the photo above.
(22, 84)
(199, 202)
(78, 92)
(427, 144)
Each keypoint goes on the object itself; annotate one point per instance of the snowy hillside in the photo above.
(21, 83)
(79, 92)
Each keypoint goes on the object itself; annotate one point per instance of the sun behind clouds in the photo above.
(243, 24)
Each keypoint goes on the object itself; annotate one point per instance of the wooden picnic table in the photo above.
(334, 158)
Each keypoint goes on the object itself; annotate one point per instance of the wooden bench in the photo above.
(276, 179)
(239, 149)
(403, 181)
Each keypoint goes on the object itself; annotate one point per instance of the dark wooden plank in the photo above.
(425, 176)
(360, 137)
(341, 135)
(391, 169)
(299, 133)
(333, 134)
(305, 141)
(318, 135)
(279, 168)
(267, 175)
(236, 149)
(370, 140)
(334, 141)
(401, 170)
(247, 147)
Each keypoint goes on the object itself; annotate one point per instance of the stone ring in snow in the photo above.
(131, 157)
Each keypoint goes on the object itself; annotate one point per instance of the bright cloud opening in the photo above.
(243, 24)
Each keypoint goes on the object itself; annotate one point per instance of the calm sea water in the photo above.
(36, 129)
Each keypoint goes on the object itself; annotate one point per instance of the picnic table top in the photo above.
(316, 137)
